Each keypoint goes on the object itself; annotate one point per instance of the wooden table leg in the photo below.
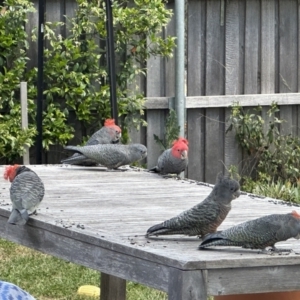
(112, 287)
(187, 285)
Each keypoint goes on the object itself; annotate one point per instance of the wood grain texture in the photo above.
(73, 247)
(268, 52)
(214, 143)
(215, 85)
(232, 48)
(267, 46)
(169, 64)
(155, 81)
(252, 47)
(263, 281)
(195, 134)
(121, 206)
(98, 219)
(112, 288)
(288, 48)
(232, 155)
(215, 51)
(228, 100)
(186, 285)
(196, 48)
(155, 86)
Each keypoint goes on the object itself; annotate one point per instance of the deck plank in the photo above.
(113, 210)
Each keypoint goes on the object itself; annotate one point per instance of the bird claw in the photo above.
(277, 250)
(33, 213)
(116, 170)
(273, 250)
(175, 176)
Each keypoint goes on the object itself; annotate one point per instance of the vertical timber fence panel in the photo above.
(195, 25)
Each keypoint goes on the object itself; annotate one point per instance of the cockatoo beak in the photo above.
(184, 154)
(236, 194)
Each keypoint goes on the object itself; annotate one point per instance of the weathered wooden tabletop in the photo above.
(99, 219)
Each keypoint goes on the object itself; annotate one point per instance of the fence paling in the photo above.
(24, 118)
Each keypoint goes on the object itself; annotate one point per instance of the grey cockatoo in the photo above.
(110, 133)
(258, 233)
(204, 217)
(26, 192)
(110, 155)
(173, 160)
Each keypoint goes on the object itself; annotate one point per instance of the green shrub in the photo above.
(279, 190)
(171, 132)
(274, 158)
(75, 70)
(13, 59)
(76, 81)
(272, 155)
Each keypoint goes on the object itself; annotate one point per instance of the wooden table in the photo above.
(99, 219)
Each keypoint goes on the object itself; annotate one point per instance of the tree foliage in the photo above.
(75, 68)
(13, 59)
(274, 157)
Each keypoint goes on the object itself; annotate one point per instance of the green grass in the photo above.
(50, 278)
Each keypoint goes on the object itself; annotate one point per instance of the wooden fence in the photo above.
(244, 51)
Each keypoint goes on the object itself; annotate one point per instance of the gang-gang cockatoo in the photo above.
(258, 233)
(204, 217)
(110, 133)
(26, 192)
(173, 160)
(110, 155)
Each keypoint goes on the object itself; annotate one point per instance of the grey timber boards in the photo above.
(228, 100)
(187, 285)
(99, 219)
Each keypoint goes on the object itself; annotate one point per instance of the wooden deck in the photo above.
(99, 219)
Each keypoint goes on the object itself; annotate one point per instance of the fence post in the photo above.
(24, 118)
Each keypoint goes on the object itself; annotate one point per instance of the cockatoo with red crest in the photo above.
(26, 192)
(110, 133)
(204, 217)
(259, 233)
(173, 160)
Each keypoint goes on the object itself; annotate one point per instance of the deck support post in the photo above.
(112, 287)
(187, 285)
